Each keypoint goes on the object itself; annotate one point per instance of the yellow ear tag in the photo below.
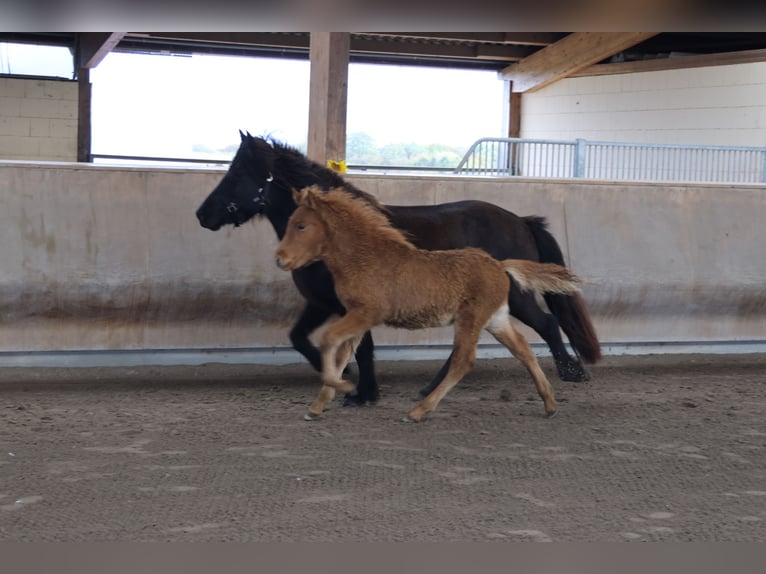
(339, 166)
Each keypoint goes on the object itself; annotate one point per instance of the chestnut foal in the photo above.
(382, 278)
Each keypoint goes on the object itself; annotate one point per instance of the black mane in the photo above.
(292, 166)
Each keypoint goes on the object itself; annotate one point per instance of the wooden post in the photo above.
(328, 96)
(512, 119)
(514, 126)
(83, 115)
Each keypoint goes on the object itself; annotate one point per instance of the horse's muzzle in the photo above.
(283, 266)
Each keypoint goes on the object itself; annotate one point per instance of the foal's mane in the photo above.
(337, 208)
(300, 171)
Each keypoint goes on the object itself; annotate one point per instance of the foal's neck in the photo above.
(358, 249)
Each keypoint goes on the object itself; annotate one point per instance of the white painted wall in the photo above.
(38, 119)
(718, 105)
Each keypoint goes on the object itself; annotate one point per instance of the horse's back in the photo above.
(429, 287)
(467, 223)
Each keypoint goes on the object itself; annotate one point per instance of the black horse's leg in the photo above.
(311, 317)
(367, 387)
(524, 306)
(425, 391)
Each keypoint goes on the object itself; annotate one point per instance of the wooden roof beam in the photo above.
(94, 46)
(521, 38)
(568, 56)
(511, 53)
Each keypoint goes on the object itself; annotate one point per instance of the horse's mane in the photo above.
(300, 171)
(348, 209)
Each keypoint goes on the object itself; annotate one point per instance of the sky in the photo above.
(162, 105)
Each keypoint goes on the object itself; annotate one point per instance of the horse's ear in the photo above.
(305, 196)
(242, 135)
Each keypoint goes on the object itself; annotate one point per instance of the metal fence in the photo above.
(614, 160)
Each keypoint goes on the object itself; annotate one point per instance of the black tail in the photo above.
(570, 310)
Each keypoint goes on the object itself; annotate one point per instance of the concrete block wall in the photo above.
(717, 105)
(38, 119)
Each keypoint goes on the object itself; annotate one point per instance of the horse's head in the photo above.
(243, 192)
(306, 232)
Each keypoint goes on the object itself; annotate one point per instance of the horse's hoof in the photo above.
(551, 414)
(415, 416)
(353, 401)
(309, 416)
(574, 373)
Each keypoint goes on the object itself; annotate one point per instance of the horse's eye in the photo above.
(300, 227)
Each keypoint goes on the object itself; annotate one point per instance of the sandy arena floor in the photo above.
(657, 448)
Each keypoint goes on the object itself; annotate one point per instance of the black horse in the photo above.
(259, 183)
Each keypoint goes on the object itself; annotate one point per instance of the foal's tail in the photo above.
(570, 309)
(542, 277)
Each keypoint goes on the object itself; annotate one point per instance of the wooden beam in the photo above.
(94, 46)
(676, 63)
(328, 96)
(514, 127)
(268, 39)
(508, 46)
(521, 38)
(83, 115)
(512, 53)
(568, 56)
(512, 119)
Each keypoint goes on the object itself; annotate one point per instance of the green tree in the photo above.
(361, 148)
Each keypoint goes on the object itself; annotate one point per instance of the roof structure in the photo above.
(517, 56)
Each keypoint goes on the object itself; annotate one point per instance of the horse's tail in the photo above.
(541, 277)
(570, 310)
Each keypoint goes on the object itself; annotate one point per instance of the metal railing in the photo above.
(614, 160)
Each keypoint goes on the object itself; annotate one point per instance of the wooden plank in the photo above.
(328, 96)
(567, 56)
(677, 63)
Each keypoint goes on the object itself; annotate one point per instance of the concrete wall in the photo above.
(718, 105)
(38, 119)
(98, 258)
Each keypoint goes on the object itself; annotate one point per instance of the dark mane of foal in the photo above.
(350, 210)
(291, 166)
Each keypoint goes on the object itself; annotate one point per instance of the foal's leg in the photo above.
(336, 346)
(308, 322)
(429, 388)
(524, 306)
(500, 326)
(461, 360)
(344, 352)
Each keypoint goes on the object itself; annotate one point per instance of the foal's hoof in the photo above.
(551, 414)
(416, 415)
(309, 416)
